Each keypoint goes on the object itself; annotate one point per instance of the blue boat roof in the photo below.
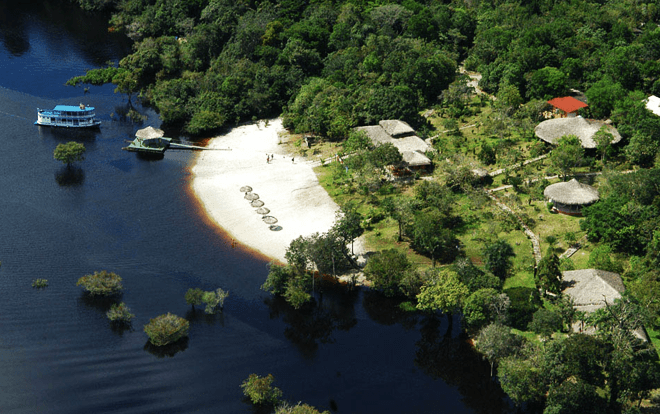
(72, 108)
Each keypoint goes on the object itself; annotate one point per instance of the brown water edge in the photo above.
(203, 213)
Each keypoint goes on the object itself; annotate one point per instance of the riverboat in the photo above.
(69, 116)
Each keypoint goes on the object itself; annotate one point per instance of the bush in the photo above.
(260, 390)
(119, 313)
(40, 283)
(101, 283)
(166, 329)
(524, 302)
(214, 300)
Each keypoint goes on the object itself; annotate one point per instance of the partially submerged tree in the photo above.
(260, 390)
(166, 329)
(194, 297)
(69, 153)
(214, 300)
(386, 269)
(101, 283)
(120, 313)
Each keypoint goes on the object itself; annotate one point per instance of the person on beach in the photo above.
(292, 160)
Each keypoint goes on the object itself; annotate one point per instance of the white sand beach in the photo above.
(290, 190)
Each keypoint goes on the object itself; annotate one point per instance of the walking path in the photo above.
(536, 245)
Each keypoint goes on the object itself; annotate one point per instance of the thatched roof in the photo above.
(572, 193)
(413, 143)
(415, 159)
(585, 129)
(653, 104)
(397, 128)
(411, 147)
(376, 134)
(591, 289)
(149, 132)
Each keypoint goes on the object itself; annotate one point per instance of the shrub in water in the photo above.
(260, 390)
(120, 313)
(39, 283)
(165, 329)
(101, 283)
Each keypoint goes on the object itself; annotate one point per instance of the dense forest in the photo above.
(329, 66)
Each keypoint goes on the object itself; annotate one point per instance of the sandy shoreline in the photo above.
(290, 190)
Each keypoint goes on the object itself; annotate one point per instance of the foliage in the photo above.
(601, 258)
(69, 153)
(498, 258)
(574, 397)
(214, 300)
(524, 302)
(120, 313)
(386, 269)
(567, 155)
(474, 278)
(299, 408)
(40, 283)
(166, 329)
(290, 282)
(496, 342)
(348, 225)
(444, 292)
(548, 273)
(194, 297)
(101, 283)
(545, 322)
(260, 391)
(484, 307)
(432, 238)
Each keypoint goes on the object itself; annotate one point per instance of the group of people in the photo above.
(270, 157)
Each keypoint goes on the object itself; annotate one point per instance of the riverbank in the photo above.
(287, 185)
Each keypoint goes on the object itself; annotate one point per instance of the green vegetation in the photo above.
(214, 299)
(40, 283)
(101, 283)
(120, 313)
(328, 67)
(69, 153)
(166, 329)
(260, 390)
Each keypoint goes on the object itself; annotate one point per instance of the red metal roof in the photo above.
(567, 104)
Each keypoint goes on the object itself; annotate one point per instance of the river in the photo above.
(354, 353)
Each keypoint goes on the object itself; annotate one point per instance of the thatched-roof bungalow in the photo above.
(402, 136)
(396, 128)
(569, 197)
(592, 289)
(568, 105)
(585, 129)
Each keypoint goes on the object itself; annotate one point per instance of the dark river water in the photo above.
(354, 353)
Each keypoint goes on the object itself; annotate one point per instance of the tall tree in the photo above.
(567, 155)
(498, 258)
(69, 153)
(496, 342)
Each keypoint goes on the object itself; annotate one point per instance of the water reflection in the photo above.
(101, 303)
(455, 361)
(386, 310)
(315, 322)
(84, 135)
(12, 30)
(199, 316)
(167, 350)
(70, 177)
